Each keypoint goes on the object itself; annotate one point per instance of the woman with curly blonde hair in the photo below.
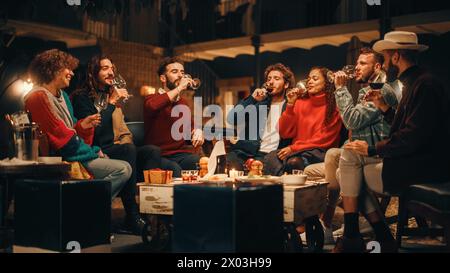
(68, 137)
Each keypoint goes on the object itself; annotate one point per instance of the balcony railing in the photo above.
(206, 20)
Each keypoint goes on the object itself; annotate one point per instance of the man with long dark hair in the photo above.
(50, 107)
(113, 136)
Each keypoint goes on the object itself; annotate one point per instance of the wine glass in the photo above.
(101, 102)
(303, 86)
(349, 70)
(378, 81)
(196, 82)
(120, 83)
(266, 86)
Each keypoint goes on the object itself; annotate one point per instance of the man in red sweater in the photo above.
(158, 120)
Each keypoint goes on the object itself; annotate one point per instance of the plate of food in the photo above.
(216, 178)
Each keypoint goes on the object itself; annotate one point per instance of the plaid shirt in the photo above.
(364, 120)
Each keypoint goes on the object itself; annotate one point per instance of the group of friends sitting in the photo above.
(387, 138)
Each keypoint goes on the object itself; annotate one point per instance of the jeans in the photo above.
(116, 171)
(148, 157)
(180, 161)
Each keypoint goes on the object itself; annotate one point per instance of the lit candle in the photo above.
(234, 173)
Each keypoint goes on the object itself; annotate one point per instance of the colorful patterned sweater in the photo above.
(55, 117)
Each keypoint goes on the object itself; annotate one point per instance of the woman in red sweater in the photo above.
(311, 120)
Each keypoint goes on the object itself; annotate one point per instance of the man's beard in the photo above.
(171, 84)
(392, 72)
(105, 84)
(366, 78)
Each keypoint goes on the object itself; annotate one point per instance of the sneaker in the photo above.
(339, 232)
(328, 238)
(347, 245)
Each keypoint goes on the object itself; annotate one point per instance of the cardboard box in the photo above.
(158, 176)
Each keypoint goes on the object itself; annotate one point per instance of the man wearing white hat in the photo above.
(416, 151)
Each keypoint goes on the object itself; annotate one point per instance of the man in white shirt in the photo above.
(269, 103)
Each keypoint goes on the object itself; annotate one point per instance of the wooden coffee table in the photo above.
(302, 205)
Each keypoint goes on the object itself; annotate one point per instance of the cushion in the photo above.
(435, 195)
(137, 129)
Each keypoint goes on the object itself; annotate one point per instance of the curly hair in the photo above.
(46, 65)
(285, 70)
(329, 91)
(91, 85)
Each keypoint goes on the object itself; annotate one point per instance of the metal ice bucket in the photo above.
(25, 135)
(26, 139)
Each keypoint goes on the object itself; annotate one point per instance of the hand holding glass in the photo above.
(303, 86)
(349, 70)
(120, 83)
(195, 82)
(268, 89)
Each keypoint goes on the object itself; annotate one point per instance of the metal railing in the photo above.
(206, 21)
(197, 68)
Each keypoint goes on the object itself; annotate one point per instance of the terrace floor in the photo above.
(123, 243)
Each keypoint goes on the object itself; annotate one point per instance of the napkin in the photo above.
(219, 149)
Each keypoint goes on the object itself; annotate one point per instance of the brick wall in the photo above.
(137, 63)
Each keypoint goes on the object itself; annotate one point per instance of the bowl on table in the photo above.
(291, 179)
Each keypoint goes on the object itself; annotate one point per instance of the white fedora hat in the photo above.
(399, 40)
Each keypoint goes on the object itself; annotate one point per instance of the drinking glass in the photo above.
(120, 83)
(193, 175)
(196, 82)
(101, 102)
(378, 81)
(349, 70)
(303, 86)
(266, 86)
(186, 176)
